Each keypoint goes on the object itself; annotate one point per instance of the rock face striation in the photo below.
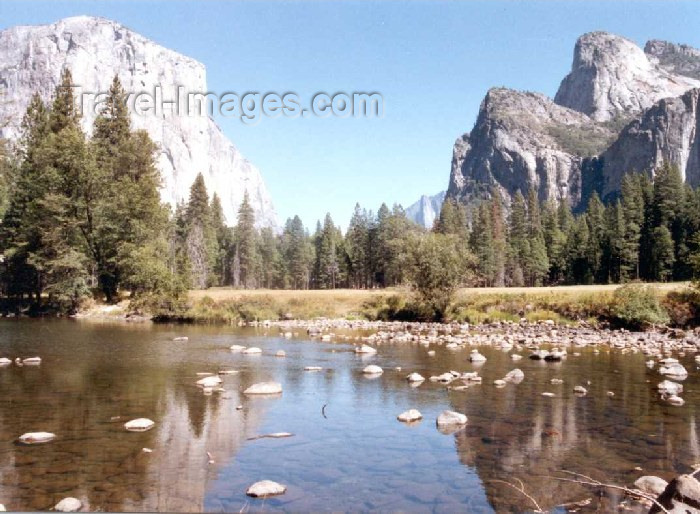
(620, 109)
(426, 210)
(95, 49)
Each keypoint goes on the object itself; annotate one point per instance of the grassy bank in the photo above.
(474, 305)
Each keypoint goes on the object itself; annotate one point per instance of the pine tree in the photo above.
(537, 263)
(663, 256)
(357, 244)
(595, 216)
(200, 239)
(518, 239)
(247, 244)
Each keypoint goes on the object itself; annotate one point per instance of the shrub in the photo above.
(637, 306)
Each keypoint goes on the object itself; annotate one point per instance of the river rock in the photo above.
(499, 383)
(313, 368)
(237, 348)
(516, 357)
(415, 377)
(68, 505)
(280, 353)
(651, 485)
(32, 360)
(475, 356)
(139, 425)
(670, 387)
(181, 338)
(211, 381)
(253, 350)
(674, 370)
(265, 488)
(580, 390)
(365, 349)
(4, 361)
(675, 400)
(448, 417)
(681, 496)
(264, 388)
(514, 376)
(373, 369)
(539, 355)
(36, 437)
(409, 416)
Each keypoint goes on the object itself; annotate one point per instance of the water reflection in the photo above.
(352, 456)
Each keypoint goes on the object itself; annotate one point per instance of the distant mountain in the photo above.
(620, 109)
(425, 210)
(95, 49)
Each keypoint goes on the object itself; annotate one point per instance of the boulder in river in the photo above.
(669, 387)
(674, 370)
(651, 485)
(365, 349)
(181, 338)
(415, 377)
(448, 417)
(32, 360)
(68, 505)
(514, 376)
(237, 348)
(313, 368)
(139, 425)
(4, 361)
(539, 355)
(409, 416)
(580, 391)
(265, 488)
(476, 357)
(211, 381)
(682, 495)
(280, 353)
(373, 369)
(264, 388)
(253, 350)
(36, 437)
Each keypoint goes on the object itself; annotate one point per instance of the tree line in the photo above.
(83, 215)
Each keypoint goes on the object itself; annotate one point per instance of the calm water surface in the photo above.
(358, 457)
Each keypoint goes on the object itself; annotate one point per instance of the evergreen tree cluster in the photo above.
(650, 233)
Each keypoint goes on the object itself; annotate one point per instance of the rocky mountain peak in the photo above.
(95, 49)
(612, 77)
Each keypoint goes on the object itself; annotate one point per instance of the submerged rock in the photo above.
(265, 488)
(36, 437)
(264, 388)
(68, 505)
(448, 417)
(139, 425)
(409, 416)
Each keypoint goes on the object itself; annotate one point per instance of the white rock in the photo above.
(36, 437)
(550, 395)
(580, 390)
(4, 361)
(32, 360)
(372, 369)
(499, 383)
(448, 417)
(287, 335)
(181, 338)
(556, 381)
(264, 388)
(515, 376)
(326, 338)
(237, 348)
(670, 387)
(516, 357)
(675, 400)
(365, 349)
(68, 505)
(228, 372)
(139, 425)
(415, 377)
(651, 485)
(410, 415)
(211, 381)
(265, 488)
(675, 370)
(475, 356)
(253, 350)
(280, 353)
(431, 353)
(313, 368)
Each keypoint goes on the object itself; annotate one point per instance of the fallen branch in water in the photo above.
(586, 480)
(323, 411)
(521, 490)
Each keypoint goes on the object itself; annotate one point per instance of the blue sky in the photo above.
(432, 62)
